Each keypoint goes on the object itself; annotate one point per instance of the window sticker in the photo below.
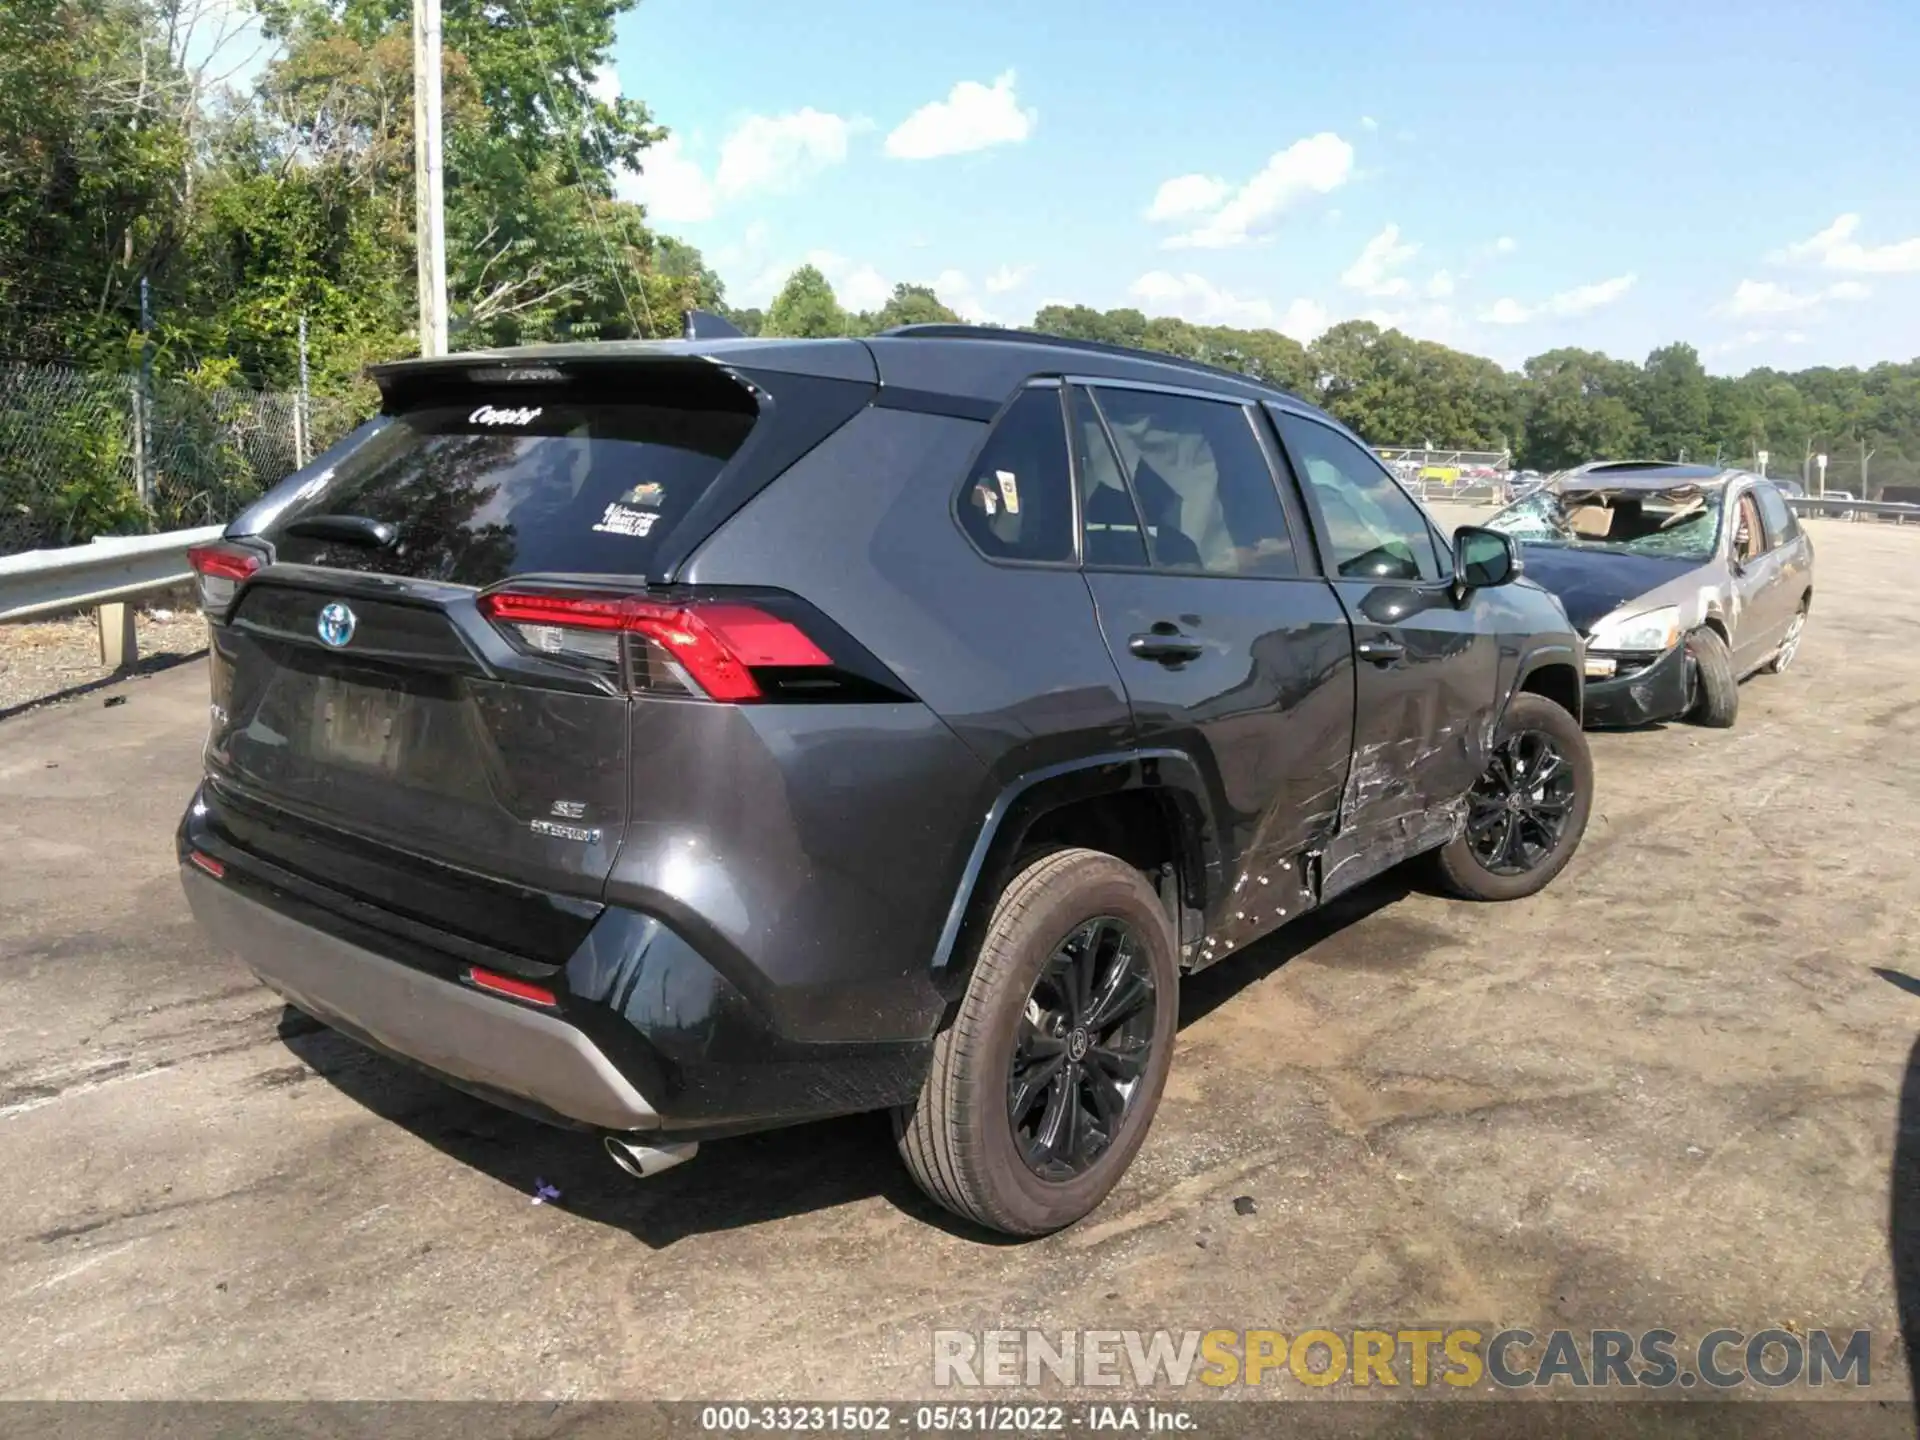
(618, 519)
(1009, 490)
(648, 496)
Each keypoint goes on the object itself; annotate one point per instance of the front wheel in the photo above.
(1528, 810)
(1042, 1088)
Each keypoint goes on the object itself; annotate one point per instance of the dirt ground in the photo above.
(42, 661)
(1666, 1093)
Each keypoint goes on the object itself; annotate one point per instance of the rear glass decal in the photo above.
(487, 415)
(649, 495)
(618, 519)
(1009, 490)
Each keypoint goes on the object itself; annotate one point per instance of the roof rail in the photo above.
(943, 331)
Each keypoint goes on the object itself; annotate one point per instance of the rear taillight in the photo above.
(709, 648)
(221, 569)
(506, 985)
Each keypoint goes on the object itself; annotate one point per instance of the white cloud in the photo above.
(1194, 297)
(1008, 277)
(1367, 122)
(1372, 273)
(780, 152)
(957, 293)
(604, 85)
(1304, 320)
(972, 117)
(1834, 248)
(762, 154)
(672, 186)
(1314, 166)
(1441, 285)
(1764, 297)
(1187, 195)
(1581, 300)
(1505, 245)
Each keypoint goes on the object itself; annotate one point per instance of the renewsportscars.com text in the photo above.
(1417, 1358)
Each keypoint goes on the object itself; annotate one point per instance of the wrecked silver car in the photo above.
(1684, 579)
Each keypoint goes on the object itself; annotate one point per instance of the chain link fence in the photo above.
(85, 454)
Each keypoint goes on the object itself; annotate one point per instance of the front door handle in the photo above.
(1383, 650)
(1169, 647)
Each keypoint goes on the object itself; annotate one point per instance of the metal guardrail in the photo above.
(1824, 505)
(102, 576)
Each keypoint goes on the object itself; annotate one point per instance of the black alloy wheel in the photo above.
(1086, 1036)
(1517, 811)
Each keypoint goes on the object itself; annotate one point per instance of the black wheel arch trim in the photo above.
(1173, 773)
(1551, 655)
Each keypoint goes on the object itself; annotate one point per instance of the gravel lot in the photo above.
(50, 660)
(1668, 1092)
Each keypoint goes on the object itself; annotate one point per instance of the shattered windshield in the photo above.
(1683, 523)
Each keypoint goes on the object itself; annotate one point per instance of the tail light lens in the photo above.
(221, 569)
(702, 648)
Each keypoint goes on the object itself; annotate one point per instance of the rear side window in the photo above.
(1018, 502)
(481, 489)
(1115, 538)
(1780, 523)
(1202, 483)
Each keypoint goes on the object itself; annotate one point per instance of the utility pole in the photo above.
(429, 208)
(300, 405)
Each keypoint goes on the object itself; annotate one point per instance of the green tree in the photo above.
(1578, 407)
(913, 305)
(1675, 402)
(805, 307)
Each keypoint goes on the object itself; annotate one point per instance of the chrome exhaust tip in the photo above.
(644, 1161)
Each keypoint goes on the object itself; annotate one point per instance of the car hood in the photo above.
(1593, 583)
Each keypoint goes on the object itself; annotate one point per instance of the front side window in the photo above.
(1202, 483)
(1749, 536)
(1018, 501)
(1773, 510)
(1374, 531)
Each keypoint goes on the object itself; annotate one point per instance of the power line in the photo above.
(593, 213)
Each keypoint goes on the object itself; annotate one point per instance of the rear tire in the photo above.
(1790, 642)
(1475, 866)
(1717, 703)
(964, 1140)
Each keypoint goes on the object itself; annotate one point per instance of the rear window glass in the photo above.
(480, 490)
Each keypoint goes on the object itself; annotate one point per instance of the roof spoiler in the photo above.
(705, 325)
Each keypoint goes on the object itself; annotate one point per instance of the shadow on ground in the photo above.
(141, 668)
(754, 1179)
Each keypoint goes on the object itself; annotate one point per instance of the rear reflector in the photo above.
(207, 863)
(507, 985)
(693, 647)
(221, 569)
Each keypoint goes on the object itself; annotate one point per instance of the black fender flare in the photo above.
(1546, 655)
(1171, 773)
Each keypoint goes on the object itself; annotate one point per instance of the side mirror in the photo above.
(1484, 558)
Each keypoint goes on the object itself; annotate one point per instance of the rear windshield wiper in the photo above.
(347, 529)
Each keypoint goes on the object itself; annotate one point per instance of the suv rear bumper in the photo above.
(499, 1048)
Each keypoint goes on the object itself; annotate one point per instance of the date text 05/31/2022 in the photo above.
(946, 1419)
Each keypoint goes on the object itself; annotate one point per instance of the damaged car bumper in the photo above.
(1625, 690)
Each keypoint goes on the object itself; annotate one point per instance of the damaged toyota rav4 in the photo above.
(670, 740)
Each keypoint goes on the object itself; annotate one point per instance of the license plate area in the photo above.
(360, 726)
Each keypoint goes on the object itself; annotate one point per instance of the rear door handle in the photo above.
(1383, 650)
(1168, 649)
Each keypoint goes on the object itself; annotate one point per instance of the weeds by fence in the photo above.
(85, 454)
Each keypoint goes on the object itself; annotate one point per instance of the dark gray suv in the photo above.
(670, 740)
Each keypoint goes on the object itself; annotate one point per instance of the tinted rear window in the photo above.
(482, 488)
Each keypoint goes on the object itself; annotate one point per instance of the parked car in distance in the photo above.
(1836, 511)
(1685, 579)
(1792, 489)
(671, 740)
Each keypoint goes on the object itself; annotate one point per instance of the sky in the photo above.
(1503, 176)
